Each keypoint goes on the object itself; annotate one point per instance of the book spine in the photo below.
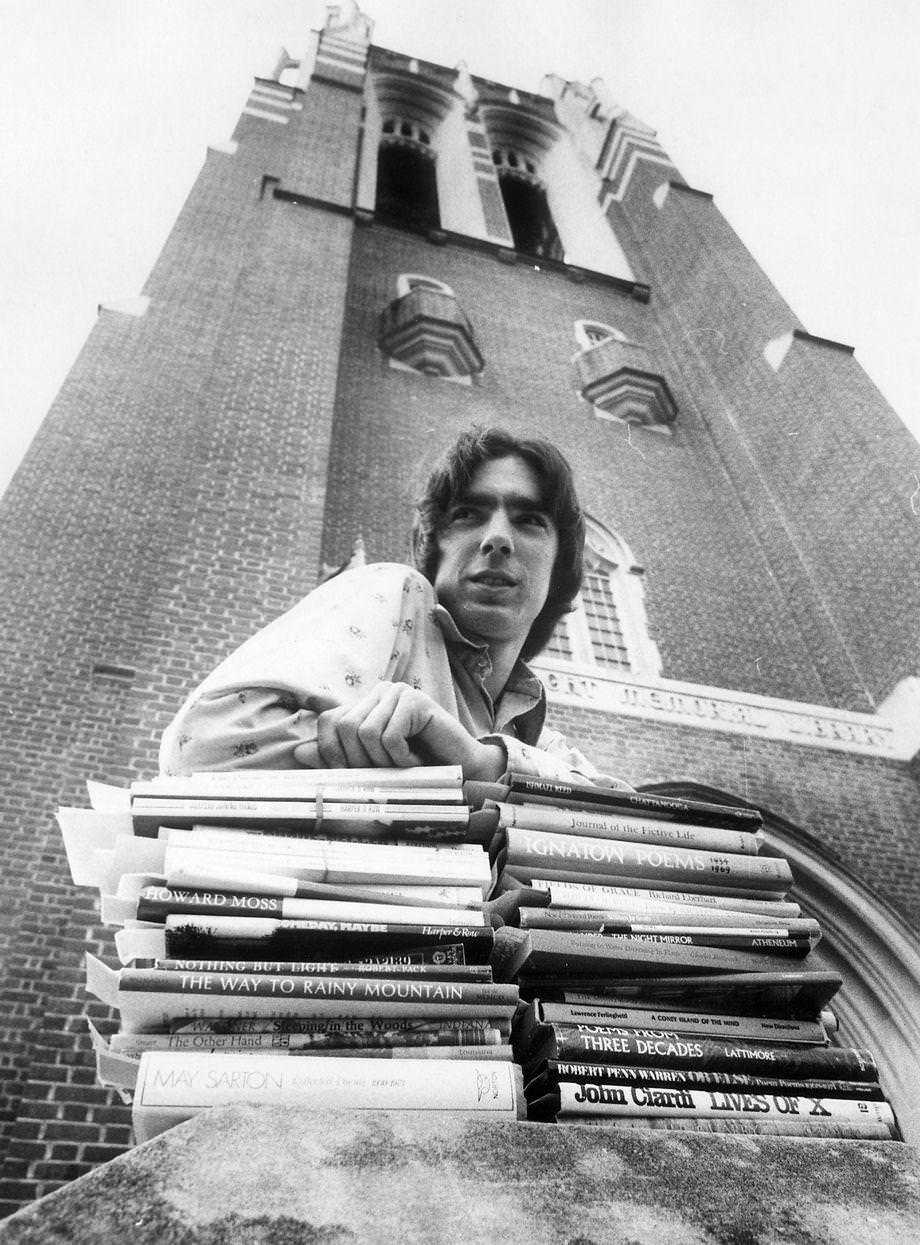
(527, 786)
(368, 1025)
(536, 849)
(587, 1098)
(827, 1129)
(564, 895)
(657, 914)
(384, 967)
(322, 860)
(736, 940)
(226, 785)
(418, 776)
(172, 1087)
(509, 870)
(244, 840)
(756, 1028)
(794, 993)
(204, 938)
(571, 954)
(308, 812)
(695, 1078)
(799, 1063)
(369, 992)
(133, 1045)
(633, 829)
(157, 903)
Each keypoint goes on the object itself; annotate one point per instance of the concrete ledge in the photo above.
(279, 1176)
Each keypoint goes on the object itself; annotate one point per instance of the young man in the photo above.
(389, 666)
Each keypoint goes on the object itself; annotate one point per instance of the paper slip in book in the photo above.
(174, 1087)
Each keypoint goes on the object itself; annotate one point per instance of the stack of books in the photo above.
(668, 981)
(281, 932)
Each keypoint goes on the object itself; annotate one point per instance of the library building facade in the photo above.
(385, 253)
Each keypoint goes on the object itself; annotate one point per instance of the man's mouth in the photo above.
(493, 579)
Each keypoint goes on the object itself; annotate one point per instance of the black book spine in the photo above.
(425, 944)
(668, 808)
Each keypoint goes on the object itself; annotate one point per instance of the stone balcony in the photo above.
(426, 330)
(621, 378)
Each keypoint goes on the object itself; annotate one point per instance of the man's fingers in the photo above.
(393, 725)
(307, 755)
(338, 743)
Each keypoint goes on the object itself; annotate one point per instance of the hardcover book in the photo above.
(172, 1087)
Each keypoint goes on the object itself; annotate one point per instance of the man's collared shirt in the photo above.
(371, 624)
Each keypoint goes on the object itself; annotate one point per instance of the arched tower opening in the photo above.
(520, 140)
(405, 114)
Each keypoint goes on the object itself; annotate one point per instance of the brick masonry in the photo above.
(204, 459)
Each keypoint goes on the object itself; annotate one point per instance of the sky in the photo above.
(799, 116)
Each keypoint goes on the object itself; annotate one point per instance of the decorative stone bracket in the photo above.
(619, 377)
(427, 331)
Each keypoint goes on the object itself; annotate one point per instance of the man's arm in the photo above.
(356, 674)
(554, 757)
(396, 725)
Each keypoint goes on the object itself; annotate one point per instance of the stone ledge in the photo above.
(276, 1175)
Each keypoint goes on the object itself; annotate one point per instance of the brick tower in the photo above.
(386, 252)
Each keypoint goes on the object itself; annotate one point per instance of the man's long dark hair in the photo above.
(451, 479)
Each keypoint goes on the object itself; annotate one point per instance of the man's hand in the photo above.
(395, 725)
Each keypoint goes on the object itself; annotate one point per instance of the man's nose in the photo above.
(497, 536)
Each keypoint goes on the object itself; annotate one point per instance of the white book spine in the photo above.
(707, 870)
(652, 1101)
(635, 829)
(593, 895)
(173, 1087)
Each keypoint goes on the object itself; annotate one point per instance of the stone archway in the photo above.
(865, 940)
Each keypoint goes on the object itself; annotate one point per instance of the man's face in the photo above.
(497, 553)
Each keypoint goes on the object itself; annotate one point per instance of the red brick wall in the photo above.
(823, 466)
(171, 503)
(715, 607)
(862, 809)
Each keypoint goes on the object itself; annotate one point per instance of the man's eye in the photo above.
(460, 514)
(533, 519)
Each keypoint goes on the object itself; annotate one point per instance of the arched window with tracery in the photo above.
(590, 333)
(608, 627)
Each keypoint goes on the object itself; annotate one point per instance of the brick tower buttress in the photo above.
(171, 503)
(798, 428)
